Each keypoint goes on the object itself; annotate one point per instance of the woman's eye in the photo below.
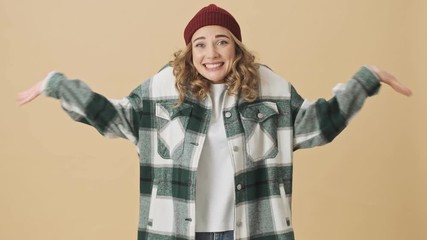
(200, 45)
(223, 42)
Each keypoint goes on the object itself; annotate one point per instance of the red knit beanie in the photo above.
(212, 15)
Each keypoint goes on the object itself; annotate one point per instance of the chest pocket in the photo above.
(171, 124)
(260, 128)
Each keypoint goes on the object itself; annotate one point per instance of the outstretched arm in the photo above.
(320, 122)
(112, 118)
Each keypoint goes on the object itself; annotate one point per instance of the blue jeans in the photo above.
(228, 235)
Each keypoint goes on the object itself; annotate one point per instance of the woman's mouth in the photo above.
(213, 66)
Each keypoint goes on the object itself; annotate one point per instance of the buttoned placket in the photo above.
(234, 150)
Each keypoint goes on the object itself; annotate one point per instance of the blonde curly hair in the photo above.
(242, 80)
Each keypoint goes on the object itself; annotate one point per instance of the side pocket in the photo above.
(152, 210)
(286, 204)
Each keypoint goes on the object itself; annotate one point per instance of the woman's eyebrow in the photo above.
(216, 36)
(221, 35)
(199, 38)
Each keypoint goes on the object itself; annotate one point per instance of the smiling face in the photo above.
(214, 51)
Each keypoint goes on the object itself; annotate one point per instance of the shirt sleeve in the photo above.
(320, 122)
(112, 118)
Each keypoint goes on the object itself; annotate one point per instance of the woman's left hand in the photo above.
(391, 80)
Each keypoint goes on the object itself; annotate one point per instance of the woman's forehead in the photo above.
(210, 31)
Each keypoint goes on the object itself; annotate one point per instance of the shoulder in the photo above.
(162, 84)
(272, 84)
(165, 75)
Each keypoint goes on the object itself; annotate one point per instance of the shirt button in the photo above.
(260, 115)
(235, 148)
(239, 187)
(228, 114)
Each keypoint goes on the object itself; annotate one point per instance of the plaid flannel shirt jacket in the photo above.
(262, 136)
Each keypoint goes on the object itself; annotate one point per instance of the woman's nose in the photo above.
(212, 52)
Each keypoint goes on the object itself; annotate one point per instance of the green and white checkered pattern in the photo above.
(262, 136)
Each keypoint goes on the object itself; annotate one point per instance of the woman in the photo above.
(215, 132)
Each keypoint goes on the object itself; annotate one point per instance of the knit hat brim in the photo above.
(212, 15)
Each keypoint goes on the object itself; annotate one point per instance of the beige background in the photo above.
(62, 180)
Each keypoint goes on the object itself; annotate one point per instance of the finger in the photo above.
(23, 98)
(400, 88)
(26, 96)
(20, 98)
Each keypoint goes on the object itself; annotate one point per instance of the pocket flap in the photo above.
(259, 112)
(169, 111)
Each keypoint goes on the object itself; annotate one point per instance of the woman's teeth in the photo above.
(212, 65)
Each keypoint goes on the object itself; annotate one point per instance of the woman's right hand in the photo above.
(30, 94)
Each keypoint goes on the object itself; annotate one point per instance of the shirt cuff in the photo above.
(369, 80)
(45, 81)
